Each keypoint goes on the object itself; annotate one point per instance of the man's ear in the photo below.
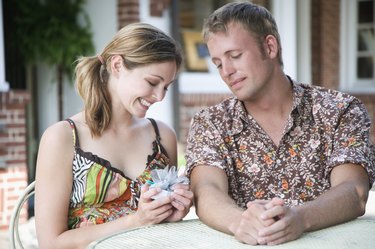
(116, 64)
(271, 46)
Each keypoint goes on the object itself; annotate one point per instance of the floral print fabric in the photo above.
(326, 128)
(102, 193)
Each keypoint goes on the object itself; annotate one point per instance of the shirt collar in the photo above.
(238, 114)
(298, 92)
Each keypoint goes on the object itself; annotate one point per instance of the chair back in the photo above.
(14, 237)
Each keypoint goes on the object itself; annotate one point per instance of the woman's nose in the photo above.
(158, 95)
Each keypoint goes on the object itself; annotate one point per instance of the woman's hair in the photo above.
(139, 44)
(254, 18)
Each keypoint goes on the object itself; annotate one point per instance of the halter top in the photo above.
(102, 193)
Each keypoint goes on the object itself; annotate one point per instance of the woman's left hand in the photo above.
(182, 200)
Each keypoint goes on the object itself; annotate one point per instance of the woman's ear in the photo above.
(272, 47)
(116, 64)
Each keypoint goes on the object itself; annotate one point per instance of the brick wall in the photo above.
(325, 42)
(127, 12)
(158, 6)
(191, 104)
(13, 166)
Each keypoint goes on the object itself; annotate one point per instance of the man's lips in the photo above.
(235, 82)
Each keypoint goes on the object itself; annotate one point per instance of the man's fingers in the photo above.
(273, 213)
(261, 202)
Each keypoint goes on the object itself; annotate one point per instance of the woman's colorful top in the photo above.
(102, 193)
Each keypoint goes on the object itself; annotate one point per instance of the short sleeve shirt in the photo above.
(325, 128)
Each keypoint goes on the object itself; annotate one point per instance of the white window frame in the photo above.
(348, 52)
(4, 86)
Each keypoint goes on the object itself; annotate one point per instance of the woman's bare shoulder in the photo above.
(165, 129)
(60, 133)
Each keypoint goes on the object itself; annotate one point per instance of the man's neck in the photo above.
(272, 112)
(278, 101)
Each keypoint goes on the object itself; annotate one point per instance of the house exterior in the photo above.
(329, 43)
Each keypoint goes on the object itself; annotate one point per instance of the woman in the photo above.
(92, 168)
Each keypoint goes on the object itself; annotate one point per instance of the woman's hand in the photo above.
(182, 200)
(152, 211)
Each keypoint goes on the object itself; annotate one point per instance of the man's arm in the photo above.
(344, 201)
(218, 210)
(213, 204)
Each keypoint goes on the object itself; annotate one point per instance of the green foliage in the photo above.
(55, 32)
(181, 162)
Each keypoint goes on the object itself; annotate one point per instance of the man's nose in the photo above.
(227, 69)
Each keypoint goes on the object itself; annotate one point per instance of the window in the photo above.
(15, 66)
(358, 45)
(365, 40)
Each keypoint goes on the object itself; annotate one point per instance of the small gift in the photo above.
(166, 179)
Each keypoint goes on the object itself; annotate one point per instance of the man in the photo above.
(279, 158)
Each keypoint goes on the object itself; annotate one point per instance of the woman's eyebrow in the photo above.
(158, 76)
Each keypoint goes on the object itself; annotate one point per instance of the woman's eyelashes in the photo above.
(151, 83)
(235, 56)
(155, 84)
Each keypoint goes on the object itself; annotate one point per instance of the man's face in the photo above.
(242, 62)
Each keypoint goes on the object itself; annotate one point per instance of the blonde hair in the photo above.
(139, 44)
(256, 19)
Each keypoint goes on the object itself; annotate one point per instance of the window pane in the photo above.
(365, 67)
(366, 40)
(365, 11)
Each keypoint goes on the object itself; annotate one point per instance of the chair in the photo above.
(14, 237)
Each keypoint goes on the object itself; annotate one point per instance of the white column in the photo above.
(304, 41)
(4, 86)
(162, 110)
(285, 14)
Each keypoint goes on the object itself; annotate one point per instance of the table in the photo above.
(359, 233)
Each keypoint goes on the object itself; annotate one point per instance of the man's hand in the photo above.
(267, 222)
(258, 216)
(288, 223)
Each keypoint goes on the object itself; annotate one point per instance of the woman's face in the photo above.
(137, 89)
